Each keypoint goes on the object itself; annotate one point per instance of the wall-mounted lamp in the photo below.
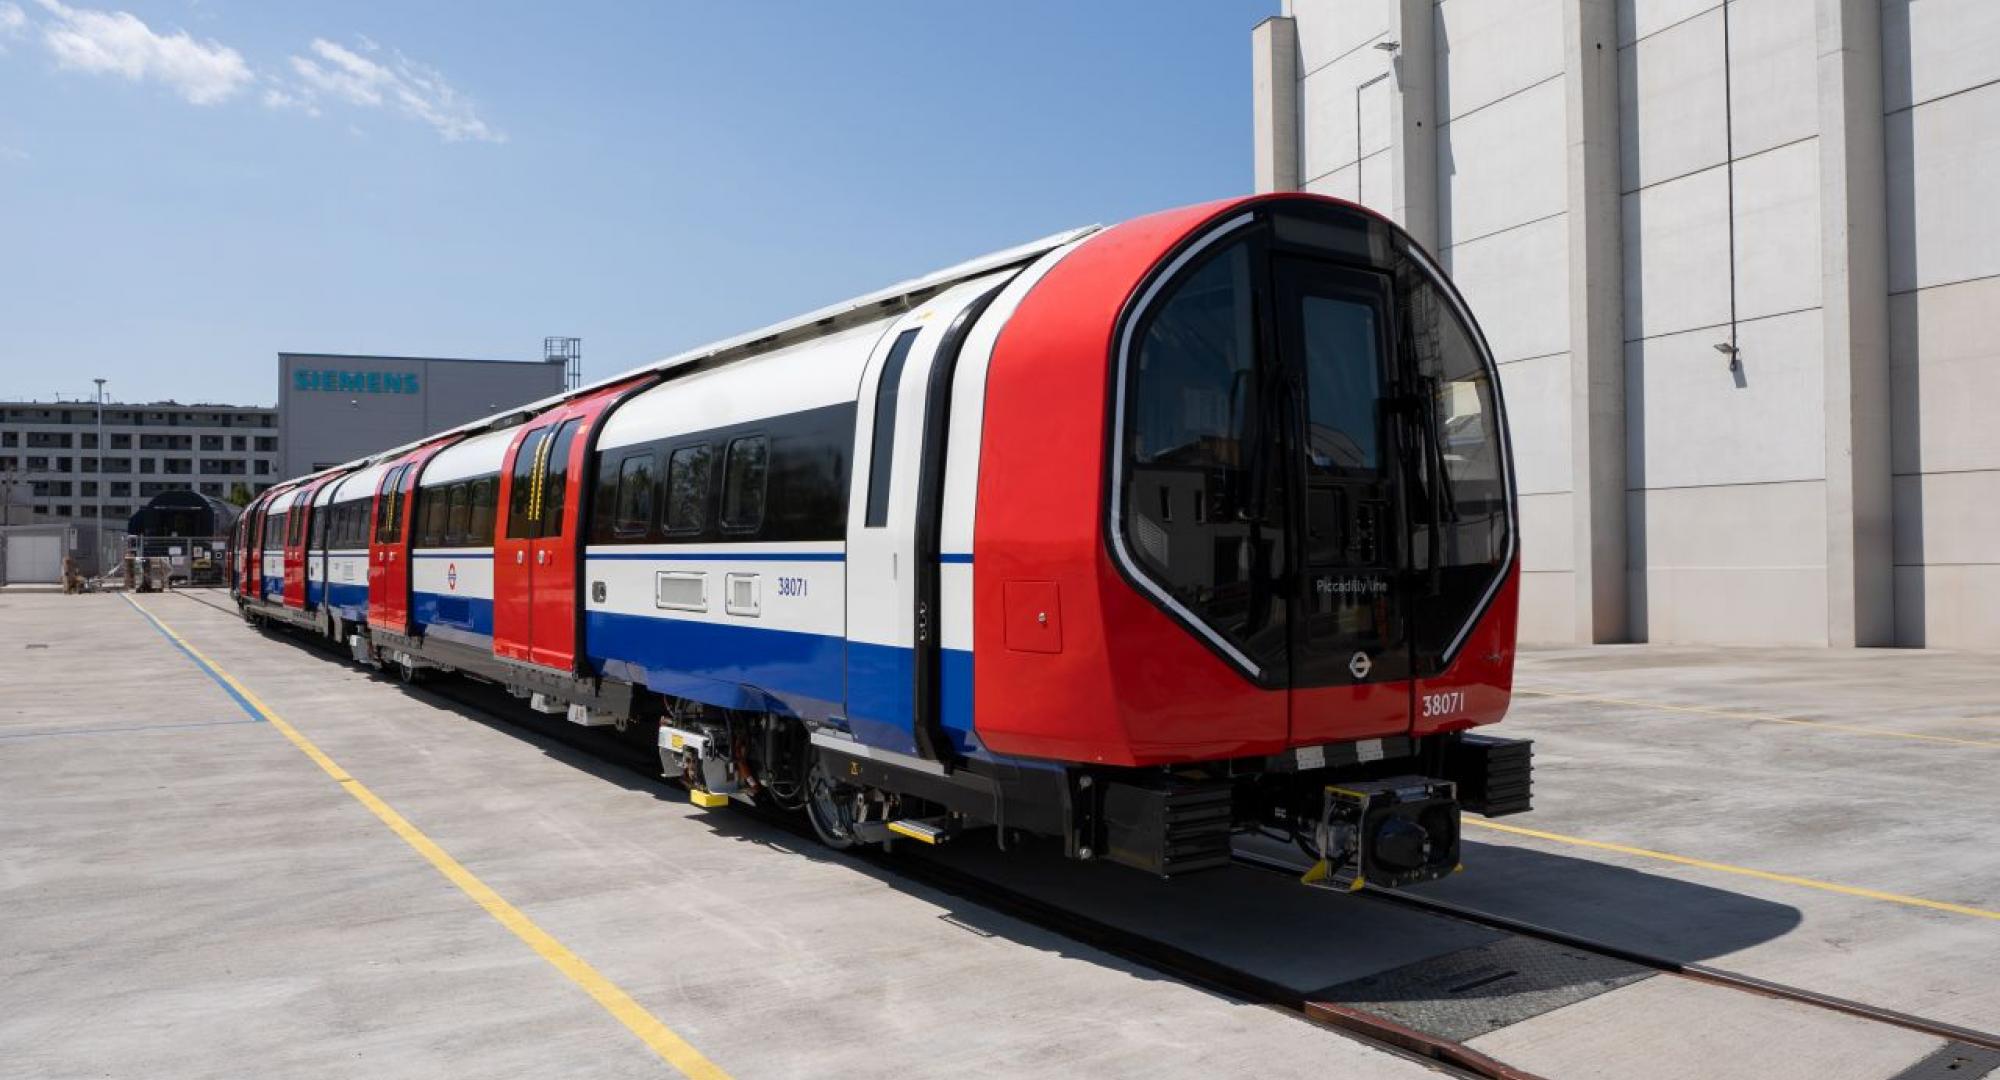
(1729, 349)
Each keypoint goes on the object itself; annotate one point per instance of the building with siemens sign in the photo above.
(335, 408)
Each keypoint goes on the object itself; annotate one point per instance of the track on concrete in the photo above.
(1213, 975)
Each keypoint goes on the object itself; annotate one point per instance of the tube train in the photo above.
(1136, 538)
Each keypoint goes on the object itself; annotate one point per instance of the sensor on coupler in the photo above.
(1399, 831)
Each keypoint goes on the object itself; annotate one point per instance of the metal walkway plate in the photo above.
(1462, 995)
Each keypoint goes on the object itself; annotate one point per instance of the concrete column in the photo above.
(1596, 322)
(1274, 79)
(1854, 268)
(1415, 151)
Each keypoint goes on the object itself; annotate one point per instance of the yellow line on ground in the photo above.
(674, 1049)
(1734, 714)
(1765, 875)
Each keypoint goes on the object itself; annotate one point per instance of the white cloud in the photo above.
(415, 89)
(12, 22)
(120, 43)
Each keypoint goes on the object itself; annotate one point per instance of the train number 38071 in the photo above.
(1444, 704)
(791, 586)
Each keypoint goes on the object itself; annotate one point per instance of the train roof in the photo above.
(865, 308)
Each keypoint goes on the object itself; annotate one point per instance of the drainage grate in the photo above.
(1465, 994)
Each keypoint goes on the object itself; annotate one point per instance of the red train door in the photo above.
(389, 549)
(298, 525)
(537, 548)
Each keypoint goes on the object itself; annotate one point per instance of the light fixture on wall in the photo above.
(1388, 46)
(1728, 348)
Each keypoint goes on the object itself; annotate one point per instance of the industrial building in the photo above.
(51, 467)
(1738, 261)
(335, 408)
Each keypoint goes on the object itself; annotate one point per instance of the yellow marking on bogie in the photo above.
(902, 829)
(707, 800)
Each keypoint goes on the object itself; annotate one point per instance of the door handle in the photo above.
(541, 558)
(520, 557)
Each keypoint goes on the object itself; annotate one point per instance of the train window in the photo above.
(431, 508)
(295, 527)
(744, 471)
(555, 478)
(389, 506)
(320, 514)
(274, 530)
(882, 456)
(459, 514)
(634, 498)
(687, 488)
(520, 501)
(485, 496)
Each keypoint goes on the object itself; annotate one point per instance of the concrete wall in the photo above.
(1735, 231)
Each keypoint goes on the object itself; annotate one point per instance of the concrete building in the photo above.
(49, 458)
(1739, 262)
(336, 408)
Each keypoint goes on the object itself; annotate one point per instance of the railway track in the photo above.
(1185, 965)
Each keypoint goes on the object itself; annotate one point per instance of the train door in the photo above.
(537, 547)
(389, 550)
(1349, 619)
(894, 616)
(294, 595)
(249, 529)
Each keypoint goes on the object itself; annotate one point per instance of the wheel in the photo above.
(409, 672)
(826, 807)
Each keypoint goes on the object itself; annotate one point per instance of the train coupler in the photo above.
(1399, 831)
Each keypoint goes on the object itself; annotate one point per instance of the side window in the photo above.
(687, 488)
(635, 496)
(320, 514)
(883, 457)
(526, 465)
(743, 474)
(485, 495)
(555, 482)
(458, 512)
(432, 505)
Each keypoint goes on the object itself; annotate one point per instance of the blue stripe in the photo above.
(239, 699)
(730, 667)
(955, 557)
(473, 614)
(717, 556)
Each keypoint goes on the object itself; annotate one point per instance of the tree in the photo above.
(239, 494)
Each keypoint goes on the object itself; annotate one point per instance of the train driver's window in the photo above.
(743, 473)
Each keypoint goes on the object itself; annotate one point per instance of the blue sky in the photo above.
(188, 187)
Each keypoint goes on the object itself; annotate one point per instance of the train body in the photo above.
(1135, 537)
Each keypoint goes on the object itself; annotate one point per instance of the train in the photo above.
(1136, 539)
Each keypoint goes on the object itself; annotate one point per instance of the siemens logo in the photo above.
(356, 382)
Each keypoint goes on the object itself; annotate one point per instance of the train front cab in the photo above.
(1247, 537)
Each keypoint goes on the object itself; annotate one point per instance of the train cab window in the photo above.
(882, 456)
(458, 514)
(634, 497)
(687, 488)
(555, 477)
(744, 470)
(485, 495)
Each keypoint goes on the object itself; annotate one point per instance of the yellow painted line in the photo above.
(1734, 714)
(675, 1050)
(1726, 868)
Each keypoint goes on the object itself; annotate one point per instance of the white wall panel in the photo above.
(1773, 72)
(1945, 365)
(1340, 183)
(1332, 28)
(1948, 518)
(1537, 396)
(1677, 255)
(1503, 166)
(1517, 283)
(1689, 423)
(1640, 18)
(1931, 48)
(1739, 563)
(1948, 607)
(1778, 231)
(1377, 188)
(1488, 49)
(1548, 537)
(1548, 604)
(1329, 131)
(1673, 103)
(1944, 222)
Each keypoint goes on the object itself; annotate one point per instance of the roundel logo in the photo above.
(451, 576)
(1360, 665)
